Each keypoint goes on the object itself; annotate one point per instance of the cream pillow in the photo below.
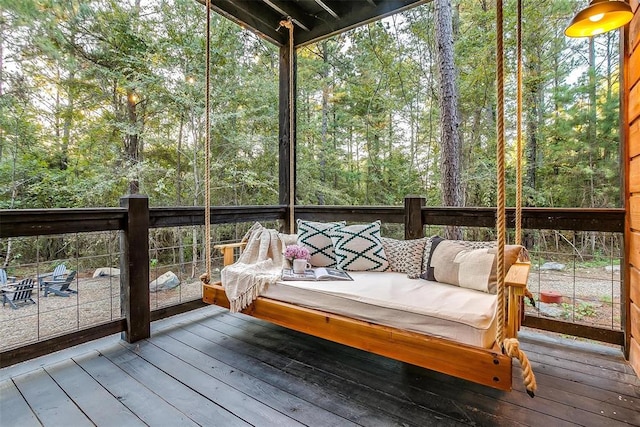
(454, 263)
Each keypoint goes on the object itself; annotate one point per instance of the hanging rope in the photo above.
(510, 346)
(206, 277)
(288, 23)
(518, 239)
(500, 207)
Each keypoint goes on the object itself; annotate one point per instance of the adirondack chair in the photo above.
(19, 294)
(58, 273)
(59, 287)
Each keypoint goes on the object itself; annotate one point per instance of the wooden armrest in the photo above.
(518, 275)
(516, 285)
(228, 250)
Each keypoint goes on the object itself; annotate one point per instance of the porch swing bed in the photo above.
(426, 323)
(465, 333)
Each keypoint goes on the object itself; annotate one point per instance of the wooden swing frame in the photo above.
(490, 367)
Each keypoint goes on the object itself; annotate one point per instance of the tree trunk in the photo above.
(131, 140)
(324, 130)
(449, 117)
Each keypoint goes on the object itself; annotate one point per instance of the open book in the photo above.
(314, 274)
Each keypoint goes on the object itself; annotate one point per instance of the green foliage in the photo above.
(98, 95)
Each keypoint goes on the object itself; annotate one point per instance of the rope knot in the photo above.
(511, 348)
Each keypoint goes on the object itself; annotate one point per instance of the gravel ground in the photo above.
(590, 295)
(98, 301)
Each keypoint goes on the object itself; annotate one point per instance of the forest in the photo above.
(101, 98)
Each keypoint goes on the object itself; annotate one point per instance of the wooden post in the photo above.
(134, 268)
(413, 226)
(286, 141)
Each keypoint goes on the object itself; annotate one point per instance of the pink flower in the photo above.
(297, 252)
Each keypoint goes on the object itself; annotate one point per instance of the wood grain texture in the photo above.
(199, 409)
(14, 410)
(634, 130)
(634, 212)
(634, 249)
(634, 313)
(48, 401)
(634, 355)
(84, 391)
(634, 280)
(634, 31)
(209, 366)
(633, 64)
(634, 175)
(146, 404)
(634, 103)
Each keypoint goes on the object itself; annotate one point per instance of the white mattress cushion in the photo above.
(388, 298)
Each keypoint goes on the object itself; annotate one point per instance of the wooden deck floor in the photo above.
(212, 368)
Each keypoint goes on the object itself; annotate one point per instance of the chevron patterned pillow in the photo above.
(316, 236)
(359, 248)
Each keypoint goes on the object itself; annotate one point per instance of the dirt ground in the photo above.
(590, 296)
(97, 301)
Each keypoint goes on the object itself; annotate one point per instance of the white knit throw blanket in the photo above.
(259, 265)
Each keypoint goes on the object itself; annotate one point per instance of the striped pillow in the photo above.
(359, 248)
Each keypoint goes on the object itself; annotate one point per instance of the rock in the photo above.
(164, 282)
(550, 310)
(614, 268)
(554, 266)
(106, 272)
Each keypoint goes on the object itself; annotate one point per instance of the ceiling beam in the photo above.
(355, 17)
(325, 6)
(252, 15)
(290, 9)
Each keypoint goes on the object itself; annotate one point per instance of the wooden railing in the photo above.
(134, 219)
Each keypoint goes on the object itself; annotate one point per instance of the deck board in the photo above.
(85, 391)
(210, 367)
(14, 410)
(48, 401)
(147, 405)
(198, 408)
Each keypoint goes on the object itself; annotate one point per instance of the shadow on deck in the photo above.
(210, 367)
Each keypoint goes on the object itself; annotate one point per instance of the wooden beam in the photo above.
(591, 332)
(413, 226)
(189, 216)
(290, 9)
(134, 268)
(343, 16)
(286, 141)
(253, 16)
(329, 9)
(38, 222)
(51, 345)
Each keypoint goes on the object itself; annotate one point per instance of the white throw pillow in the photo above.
(359, 248)
(316, 236)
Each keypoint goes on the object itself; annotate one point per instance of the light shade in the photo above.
(599, 17)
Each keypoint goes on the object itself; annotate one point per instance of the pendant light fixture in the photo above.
(599, 17)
